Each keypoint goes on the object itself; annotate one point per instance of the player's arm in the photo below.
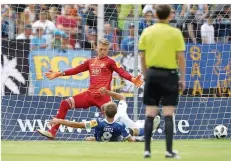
(127, 136)
(78, 69)
(124, 74)
(87, 124)
(115, 95)
(55, 121)
(143, 63)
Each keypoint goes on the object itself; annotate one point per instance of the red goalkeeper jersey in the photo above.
(100, 72)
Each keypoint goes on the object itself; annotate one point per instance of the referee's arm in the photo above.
(143, 63)
(141, 47)
(180, 56)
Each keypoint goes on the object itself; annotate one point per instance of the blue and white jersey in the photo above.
(109, 131)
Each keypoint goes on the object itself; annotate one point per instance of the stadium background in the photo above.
(36, 38)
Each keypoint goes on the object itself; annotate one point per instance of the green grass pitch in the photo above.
(190, 150)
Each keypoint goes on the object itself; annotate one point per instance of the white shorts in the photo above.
(122, 116)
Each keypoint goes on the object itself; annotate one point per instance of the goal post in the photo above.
(136, 60)
(29, 99)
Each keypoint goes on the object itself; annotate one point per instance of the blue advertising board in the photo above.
(208, 68)
(196, 117)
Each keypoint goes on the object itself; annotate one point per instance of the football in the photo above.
(220, 131)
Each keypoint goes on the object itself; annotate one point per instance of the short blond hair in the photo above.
(104, 41)
(110, 109)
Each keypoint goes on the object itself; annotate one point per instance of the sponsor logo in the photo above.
(182, 126)
(31, 125)
(96, 71)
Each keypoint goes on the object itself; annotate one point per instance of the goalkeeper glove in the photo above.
(137, 81)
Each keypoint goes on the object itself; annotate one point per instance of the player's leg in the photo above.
(169, 102)
(65, 105)
(77, 101)
(122, 116)
(131, 125)
(151, 99)
(127, 121)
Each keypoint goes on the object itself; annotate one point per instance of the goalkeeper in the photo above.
(122, 115)
(100, 69)
(107, 129)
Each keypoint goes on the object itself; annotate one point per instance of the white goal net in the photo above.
(36, 38)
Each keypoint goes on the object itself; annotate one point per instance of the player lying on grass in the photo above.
(100, 69)
(107, 129)
(123, 117)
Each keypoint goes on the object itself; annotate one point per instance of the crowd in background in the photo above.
(75, 26)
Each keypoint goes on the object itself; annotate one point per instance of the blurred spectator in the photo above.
(29, 14)
(110, 14)
(60, 41)
(53, 13)
(75, 14)
(5, 29)
(179, 14)
(223, 24)
(149, 7)
(38, 41)
(202, 11)
(90, 13)
(74, 11)
(8, 21)
(111, 35)
(173, 21)
(212, 9)
(215, 9)
(207, 31)
(127, 44)
(43, 7)
(126, 16)
(19, 10)
(27, 34)
(91, 40)
(46, 24)
(147, 20)
(81, 8)
(193, 28)
(68, 24)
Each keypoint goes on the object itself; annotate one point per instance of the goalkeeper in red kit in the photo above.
(100, 69)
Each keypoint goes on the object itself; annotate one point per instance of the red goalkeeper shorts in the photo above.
(86, 100)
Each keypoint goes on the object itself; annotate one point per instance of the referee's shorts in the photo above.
(161, 85)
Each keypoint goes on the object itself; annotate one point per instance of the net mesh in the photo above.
(36, 38)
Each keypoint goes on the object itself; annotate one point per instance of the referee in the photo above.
(162, 50)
